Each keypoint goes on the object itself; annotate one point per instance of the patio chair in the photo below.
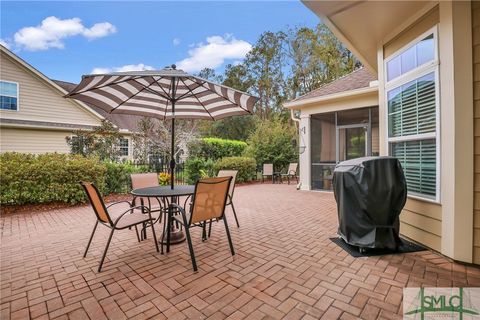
(291, 172)
(117, 219)
(144, 180)
(233, 174)
(267, 171)
(209, 201)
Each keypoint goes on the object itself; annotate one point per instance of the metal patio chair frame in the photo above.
(104, 217)
(231, 190)
(291, 173)
(189, 220)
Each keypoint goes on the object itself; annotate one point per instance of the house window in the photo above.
(413, 107)
(124, 147)
(8, 95)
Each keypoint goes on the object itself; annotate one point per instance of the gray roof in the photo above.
(122, 121)
(357, 79)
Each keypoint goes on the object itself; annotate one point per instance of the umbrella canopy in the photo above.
(163, 94)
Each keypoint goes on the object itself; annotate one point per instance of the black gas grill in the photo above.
(370, 194)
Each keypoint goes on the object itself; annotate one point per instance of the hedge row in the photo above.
(245, 166)
(216, 148)
(53, 177)
(198, 168)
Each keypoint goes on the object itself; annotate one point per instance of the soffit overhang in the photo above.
(363, 26)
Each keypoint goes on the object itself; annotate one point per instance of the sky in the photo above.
(65, 40)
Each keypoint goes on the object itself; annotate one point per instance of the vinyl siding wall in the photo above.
(476, 97)
(33, 141)
(41, 141)
(420, 220)
(38, 100)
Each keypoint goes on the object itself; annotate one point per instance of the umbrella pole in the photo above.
(172, 157)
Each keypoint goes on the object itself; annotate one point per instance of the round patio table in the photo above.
(175, 235)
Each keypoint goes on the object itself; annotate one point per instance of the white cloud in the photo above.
(99, 30)
(4, 43)
(214, 53)
(128, 67)
(176, 41)
(52, 31)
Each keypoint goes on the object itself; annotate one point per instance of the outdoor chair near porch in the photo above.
(115, 217)
(267, 171)
(209, 201)
(233, 174)
(144, 180)
(291, 172)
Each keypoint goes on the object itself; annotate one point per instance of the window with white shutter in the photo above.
(412, 111)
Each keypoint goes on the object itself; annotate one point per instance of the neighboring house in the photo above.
(426, 57)
(36, 118)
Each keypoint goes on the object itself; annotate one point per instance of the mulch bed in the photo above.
(41, 207)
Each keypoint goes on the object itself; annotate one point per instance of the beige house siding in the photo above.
(420, 221)
(476, 88)
(38, 100)
(33, 141)
(37, 141)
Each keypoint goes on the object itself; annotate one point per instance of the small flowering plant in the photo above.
(164, 178)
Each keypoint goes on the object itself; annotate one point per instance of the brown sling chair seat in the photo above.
(116, 216)
(144, 180)
(208, 203)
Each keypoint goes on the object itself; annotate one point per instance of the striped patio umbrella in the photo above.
(163, 94)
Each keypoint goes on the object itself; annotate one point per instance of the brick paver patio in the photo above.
(285, 267)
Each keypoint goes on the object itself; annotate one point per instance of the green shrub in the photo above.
(117, 177)
(272, 142)
(246, 167)
(216, 148)
(198, 168)
(52, 177)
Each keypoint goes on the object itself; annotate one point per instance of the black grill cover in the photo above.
(370, 194)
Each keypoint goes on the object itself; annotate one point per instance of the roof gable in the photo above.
(44, 79)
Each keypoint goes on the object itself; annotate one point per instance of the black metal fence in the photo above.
(162, 164)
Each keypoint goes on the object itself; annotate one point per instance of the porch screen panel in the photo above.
(322, 150)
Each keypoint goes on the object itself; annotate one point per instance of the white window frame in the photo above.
(128, 147)
(422, 70)
(18, 96)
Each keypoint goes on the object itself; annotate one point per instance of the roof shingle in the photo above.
(357, 79)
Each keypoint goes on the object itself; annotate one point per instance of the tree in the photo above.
(103, 142)
(210, 74)
(315, 57)
(237, 127)
(238, 77)
(273, 142)
(153, 138)
(281, 66)
(265, 64)
(233, 128)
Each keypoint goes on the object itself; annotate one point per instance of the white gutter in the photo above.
(293, 117)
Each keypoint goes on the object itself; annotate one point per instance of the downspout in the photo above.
(295, 119)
